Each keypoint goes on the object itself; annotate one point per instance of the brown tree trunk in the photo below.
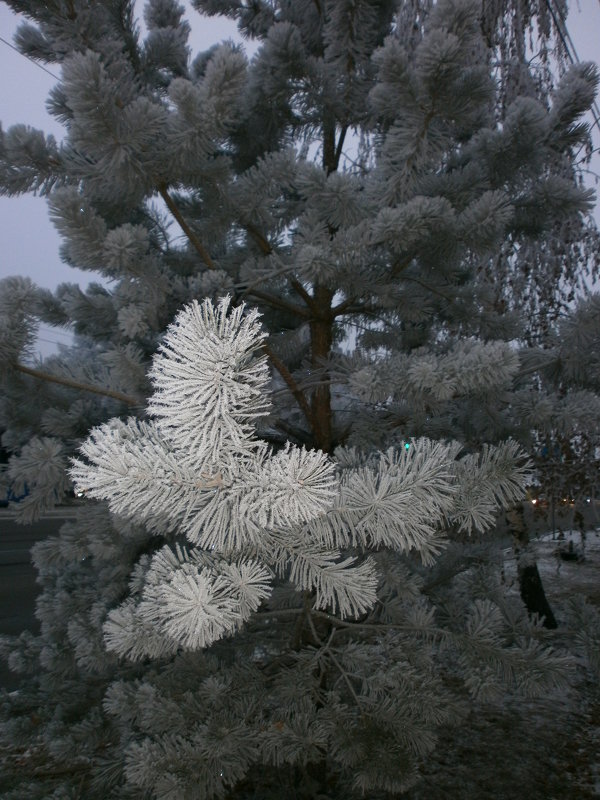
(321, 338)
(321, 323)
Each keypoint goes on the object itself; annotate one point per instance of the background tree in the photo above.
(562, 411)
(329, 690)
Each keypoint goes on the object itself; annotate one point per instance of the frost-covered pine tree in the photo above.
(297, 384)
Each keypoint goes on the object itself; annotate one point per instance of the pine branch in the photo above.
(302, 292)
(340, 145)
(270, 299)
(291, 384)
(342, 307)
(267, 249)
(428, 287)
(351, 306)
(259, 238)
(277, 302)
(400, 266)
(248, 289)
(84, 387)
(194, 240)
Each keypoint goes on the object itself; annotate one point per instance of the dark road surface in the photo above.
(18, 588)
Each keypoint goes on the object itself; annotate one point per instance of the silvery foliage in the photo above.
(322, 691)
(18, 325)
(198, 467)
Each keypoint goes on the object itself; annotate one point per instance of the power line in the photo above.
(16, 49)
(50, 332)
(55, 332)
(48, 341)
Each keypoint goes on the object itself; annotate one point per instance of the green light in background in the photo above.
(407, 446)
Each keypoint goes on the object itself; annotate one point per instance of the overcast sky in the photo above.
(28, 242)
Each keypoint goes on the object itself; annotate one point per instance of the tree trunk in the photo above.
(533, 595)
(530, 581)
(321, 335)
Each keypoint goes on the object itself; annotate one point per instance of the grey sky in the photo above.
(28, 242)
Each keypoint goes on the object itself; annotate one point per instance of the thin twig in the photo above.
(327, 649)
(281, 612)
(391, 626)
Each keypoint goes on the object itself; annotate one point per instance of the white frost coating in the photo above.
(198, 468)
(209, 383)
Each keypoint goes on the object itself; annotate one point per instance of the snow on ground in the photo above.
(562, 579)
(538, 749)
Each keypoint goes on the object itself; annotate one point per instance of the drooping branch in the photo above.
(84, 387)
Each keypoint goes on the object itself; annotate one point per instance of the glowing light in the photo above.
(534, 501)
(407, 446)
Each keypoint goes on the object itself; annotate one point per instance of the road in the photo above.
(18, 588)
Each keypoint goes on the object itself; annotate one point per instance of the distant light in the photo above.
(407, 446)
(534, 501)
(588, 500)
